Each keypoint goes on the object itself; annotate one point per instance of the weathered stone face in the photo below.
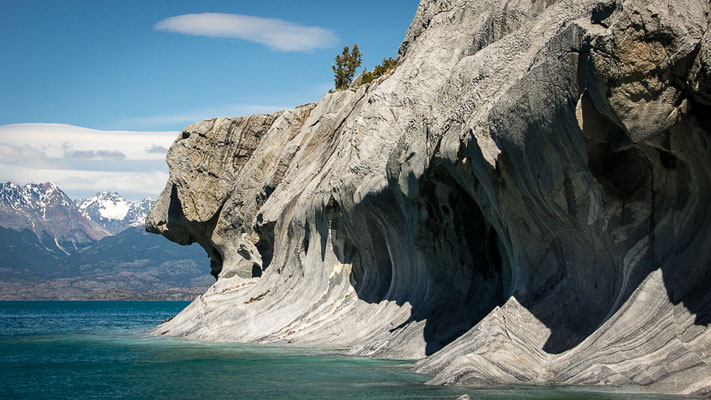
(525, 199)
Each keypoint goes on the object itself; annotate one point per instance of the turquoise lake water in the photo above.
(100, 350)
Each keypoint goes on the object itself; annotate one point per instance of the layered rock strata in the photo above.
(525, 199)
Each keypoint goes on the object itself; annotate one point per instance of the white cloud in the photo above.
(275, 33)
(72, 154)
(81, 160)
(61, 141)
(157, 149)
(27, 156)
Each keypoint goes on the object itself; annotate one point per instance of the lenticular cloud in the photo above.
(275, 33)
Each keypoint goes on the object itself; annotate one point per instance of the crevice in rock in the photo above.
(601, 12)
(667, 159)
(307, 236)
(264, 194)
(331, 227)
(216, 262)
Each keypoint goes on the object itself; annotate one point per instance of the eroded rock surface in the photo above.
(525, 199)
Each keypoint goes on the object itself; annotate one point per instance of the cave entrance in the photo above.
(265, 245)
(465, 256)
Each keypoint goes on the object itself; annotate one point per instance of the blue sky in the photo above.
(161, 65)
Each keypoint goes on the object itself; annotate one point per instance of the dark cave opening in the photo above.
(371, 273)
(616, 163)
(620, 173)
(265, 245)
(382, 278)
(465, 259)
(494, 252)
(256, 271)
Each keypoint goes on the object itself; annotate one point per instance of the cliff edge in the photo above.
(526, 198)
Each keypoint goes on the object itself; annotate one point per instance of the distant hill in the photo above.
(54, 248)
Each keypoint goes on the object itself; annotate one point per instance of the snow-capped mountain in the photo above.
(52, 247)
(113, 212)
(50, 214)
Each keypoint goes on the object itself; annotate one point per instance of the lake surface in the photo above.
(100, 350)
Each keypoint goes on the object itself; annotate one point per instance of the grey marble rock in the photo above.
(525, 199)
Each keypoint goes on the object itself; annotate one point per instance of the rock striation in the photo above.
(526, 198)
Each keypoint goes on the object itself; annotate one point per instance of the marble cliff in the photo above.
(526, 198)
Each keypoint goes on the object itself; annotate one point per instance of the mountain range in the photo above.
(47, 212)
(113, 212)
(55, 248)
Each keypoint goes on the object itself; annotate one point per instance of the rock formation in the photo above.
(526, 198)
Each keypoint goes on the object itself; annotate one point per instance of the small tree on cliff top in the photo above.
(345, 67)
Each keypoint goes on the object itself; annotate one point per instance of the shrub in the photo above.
(345, 67)
(385, 67)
